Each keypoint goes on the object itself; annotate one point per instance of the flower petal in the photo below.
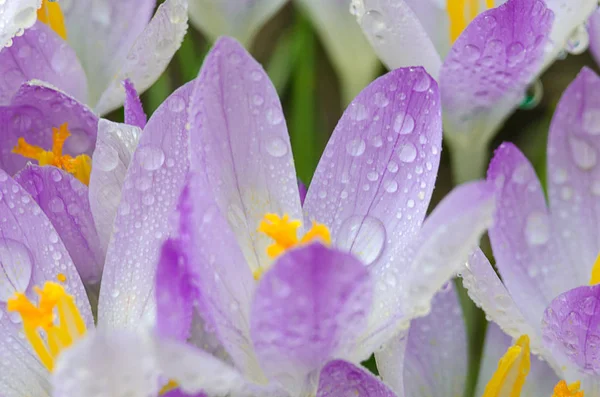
(448, 236)
(350, 52)
(41, 54)
(374, 181)
(102, 34)
(574, 177)
(232, 18)
(490, 66)
(16, 16)
(528, 257)
(242, 145)
(571, 327)
(307, 309)
(594, 34)
(541, 379)
(134, 111)
(65, 202)
(149, 56)
(435, 356)
(340, 379)
(151, 189)
(397, 35)
(34, 111)
(110, 161)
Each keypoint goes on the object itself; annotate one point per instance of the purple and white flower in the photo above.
(16, 16)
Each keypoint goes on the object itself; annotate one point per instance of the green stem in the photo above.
(468, 160)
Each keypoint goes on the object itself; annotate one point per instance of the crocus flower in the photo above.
(348, 49)
(90, 49)
(546, 253)
(483, 63)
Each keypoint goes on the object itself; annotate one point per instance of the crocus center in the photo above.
(461, 13)
(563, 390)
(512, 370)
(51, 326)
(80, 166)
(51, 14)
(284, 232)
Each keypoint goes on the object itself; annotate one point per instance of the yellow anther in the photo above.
(562, 390)
(61, 278)
(284, 232)
(461, 13)
(80, 167)
(54, 304)
(512, 370)
(51, 14)
(595, 277)
(170, 386)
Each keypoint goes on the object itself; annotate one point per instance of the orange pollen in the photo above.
(51, 14)
(562, 390)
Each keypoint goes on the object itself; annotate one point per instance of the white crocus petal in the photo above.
(15, 16)
(350, 52)
(239, 19)
(397, 35)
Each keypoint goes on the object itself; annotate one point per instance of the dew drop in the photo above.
(408, 153)
(380, 100)
(374, 25)
(392, 167)
(423, 83)
(16, 266)
(176, 104)
(362, 236)
(515, 53)
(56, 205)
(390, 186)
(106, 158)
(579, 41)
(151, 157)
(583, 153)
(537, 228)
(274, 116)
(356, 147)
(591, 121)
(404, 124)
(276, 147)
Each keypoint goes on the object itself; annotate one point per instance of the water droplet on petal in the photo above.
(583, 153)
(423, 83)
(374, 25)
(150, 157)
(106, 157)
(274, 116)
(356, 147)
(56, 205)
(15, 268)
(537, 228)
(277, 147)
(362, 236)
(404, 123)
(408, 153)
(591, 121)
(390, 186)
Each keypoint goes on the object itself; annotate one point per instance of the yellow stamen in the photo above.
(461, 13)
(51, 14)
(512, 370)
(562, 390)
(595, 277)
(80, 167)
(170, 386)
(284, 232)
(54, 303)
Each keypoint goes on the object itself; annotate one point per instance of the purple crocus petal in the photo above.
(485, 75)
(16, 16)
(397, 35)
(151, 189)
(373, 184)
(65, 202)
(179, 393)
(149, 56)
(221, 274)
(31, 251)
(571, 327)
(594, 32)
(340, 379)
(529, 259)
(242, 145)
(448, 236)
(41, 54)
(134, 111)
(435, 356)
(574, 177)
(540, 380)
(302, 190)
(102, 34)
(34, 111)
(174, 293)
(308, 308)
(110, 161)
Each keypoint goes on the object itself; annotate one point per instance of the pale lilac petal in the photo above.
(341, 379)
(31, 251)
(221, 275)
(541, 379)
(179, 393)
(151, 189)
(239, 139)
(134, 111)
(435, 359)
(571, 327)
(110, 161)
(16, 16)
(390, 361)
(528, 257)
(433, 16)
(148, 57)
(34, 111)
(350, 52)
(41, 54)
(373, 184)
(490, 66)
(594, 32)
(232, 18)
(174, 293)
(102, 33)
(397, 35)
(448, 236)
(65, 202)
(574, 177)
(307, 309)
(302, 190)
